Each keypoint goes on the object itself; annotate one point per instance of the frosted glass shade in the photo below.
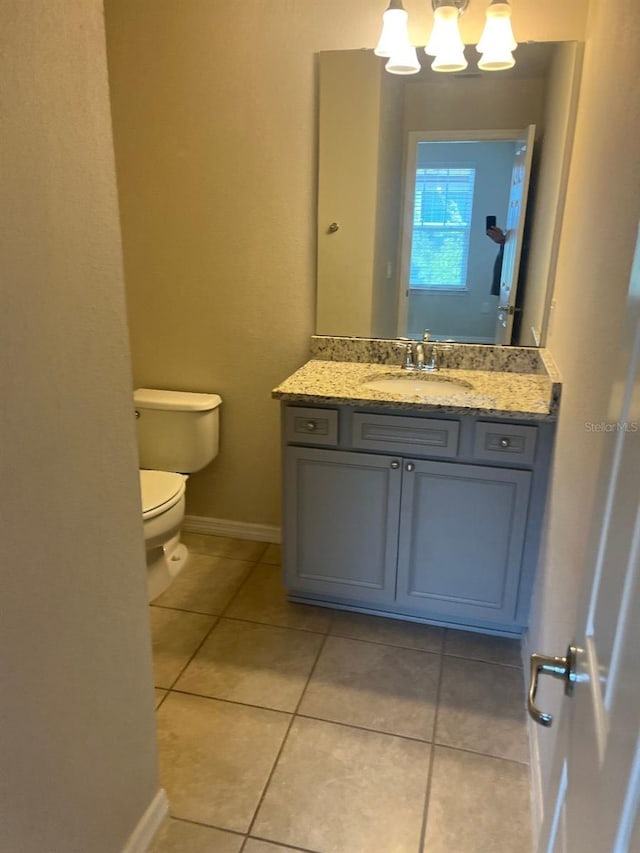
(394, 36)
(451, 60)
(497, 41)
(445, 36)
(405, 61)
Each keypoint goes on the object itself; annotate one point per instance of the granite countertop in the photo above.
(531, 396)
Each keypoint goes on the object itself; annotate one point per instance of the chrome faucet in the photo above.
(416, 358)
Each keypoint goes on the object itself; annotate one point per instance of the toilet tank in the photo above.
(177, 430)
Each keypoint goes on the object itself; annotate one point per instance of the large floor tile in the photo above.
(466, 644)
(206, 584)
(223, 546)
(379, 687)
(257, 664)
(482, 709)
(177, 836)
(215, 758)
(342, 790)
(175, 635)
(393, 632)
(263, 599)
(477, 804)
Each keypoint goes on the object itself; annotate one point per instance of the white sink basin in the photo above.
(423, 386)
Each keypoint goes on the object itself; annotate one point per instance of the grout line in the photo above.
(432, 754)
(436, 652)
(184, 610)
(207, 825)
(286, 735)
(231, 701)
(166, 693)
(482, 754)
(362, 728)
(482, 660)
(279, 844)
(273, 625)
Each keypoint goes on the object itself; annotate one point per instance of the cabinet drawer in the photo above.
(413, 436)
(505, 442)
(311, 426)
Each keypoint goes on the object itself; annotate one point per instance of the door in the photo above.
(520, 177)
(452, 180)
(341, 523)
(593, 801)
(462, 530)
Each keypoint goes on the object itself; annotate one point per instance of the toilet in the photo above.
(178, 434)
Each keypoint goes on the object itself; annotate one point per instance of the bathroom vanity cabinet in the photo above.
(428, 517)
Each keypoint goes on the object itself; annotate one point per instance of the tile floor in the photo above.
(286, 727)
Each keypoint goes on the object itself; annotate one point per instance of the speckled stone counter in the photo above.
(454, 355)
(505, 394)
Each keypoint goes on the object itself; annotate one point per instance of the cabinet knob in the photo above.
(395, 464)
(504, 442)
(410, 466)
(311, 425)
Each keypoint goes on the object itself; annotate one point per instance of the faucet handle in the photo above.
(407, 350)
(426, 336)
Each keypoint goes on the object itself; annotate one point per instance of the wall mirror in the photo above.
(409, 169)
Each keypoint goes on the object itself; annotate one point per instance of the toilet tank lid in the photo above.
(183, 401)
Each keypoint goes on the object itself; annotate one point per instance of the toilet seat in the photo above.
(160, 490)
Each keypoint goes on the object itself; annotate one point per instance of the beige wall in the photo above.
(77, 732)
(215, 126)
(348, 155)
(594, 263)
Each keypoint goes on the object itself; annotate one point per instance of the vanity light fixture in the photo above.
(445, 43)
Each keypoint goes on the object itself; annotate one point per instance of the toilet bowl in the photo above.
(162, 494)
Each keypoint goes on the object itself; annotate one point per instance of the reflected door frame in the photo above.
(408, 193)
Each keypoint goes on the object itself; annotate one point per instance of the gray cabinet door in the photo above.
(462, 530)
(341, 517)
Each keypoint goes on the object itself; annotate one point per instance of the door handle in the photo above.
(564, 668)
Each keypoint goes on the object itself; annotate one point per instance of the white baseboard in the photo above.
(234, 529)
(148, 825)
(535, 775)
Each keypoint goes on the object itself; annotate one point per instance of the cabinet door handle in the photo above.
(410, 466)
(504, 442)
(395, 464)
(311, 425)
